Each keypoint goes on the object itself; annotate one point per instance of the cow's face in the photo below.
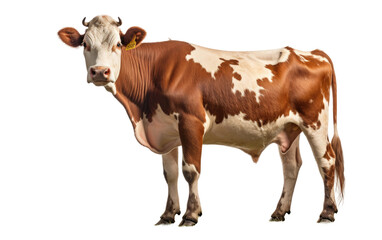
(103, 44)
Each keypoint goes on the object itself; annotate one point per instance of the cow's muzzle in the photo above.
(99, 75)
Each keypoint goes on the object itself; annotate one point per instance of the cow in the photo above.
(181, 94)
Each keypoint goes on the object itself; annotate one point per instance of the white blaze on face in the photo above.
(251, 65)
(101, 39)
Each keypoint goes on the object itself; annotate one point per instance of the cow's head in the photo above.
(103, 44)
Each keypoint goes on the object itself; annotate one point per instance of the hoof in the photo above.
(165, 221)
(277, 219)
(326, 219)
(187, 223)
(327, 216)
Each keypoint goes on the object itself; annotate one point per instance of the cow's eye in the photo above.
(119, 44)
(86, 46)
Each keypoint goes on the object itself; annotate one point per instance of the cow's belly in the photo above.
(246, 135)
(161, 135)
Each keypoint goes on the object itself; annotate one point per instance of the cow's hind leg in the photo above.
(292, 162)
(170, 171)
(325, 157)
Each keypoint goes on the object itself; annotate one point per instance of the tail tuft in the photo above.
(336, 145)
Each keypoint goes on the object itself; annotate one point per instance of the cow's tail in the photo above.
(336, 142)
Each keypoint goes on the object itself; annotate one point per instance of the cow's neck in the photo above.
(135, 77)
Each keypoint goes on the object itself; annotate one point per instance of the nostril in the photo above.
(107, 72)
(93, 72)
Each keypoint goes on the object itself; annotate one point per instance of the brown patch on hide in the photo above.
(191, 132)
(131, 108)
(329, 152)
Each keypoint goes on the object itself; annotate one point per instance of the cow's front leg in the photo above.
(170, 172)
(191, 132)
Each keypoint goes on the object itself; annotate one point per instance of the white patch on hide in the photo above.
(247, 135)
(303, 54)
(318, 137)
(251, 65)
(110, 87)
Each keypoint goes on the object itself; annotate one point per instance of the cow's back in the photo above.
(261, 85)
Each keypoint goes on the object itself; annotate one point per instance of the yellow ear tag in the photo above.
(131, 44)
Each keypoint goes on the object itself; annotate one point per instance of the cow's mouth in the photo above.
(100, 83)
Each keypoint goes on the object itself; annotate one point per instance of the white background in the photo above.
(70, 167)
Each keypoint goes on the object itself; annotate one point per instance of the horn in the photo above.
(119, 23)
(86, 24)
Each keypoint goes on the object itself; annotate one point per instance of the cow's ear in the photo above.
(133, 37)
(71, 37)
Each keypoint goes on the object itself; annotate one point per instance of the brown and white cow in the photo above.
(180, 94)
